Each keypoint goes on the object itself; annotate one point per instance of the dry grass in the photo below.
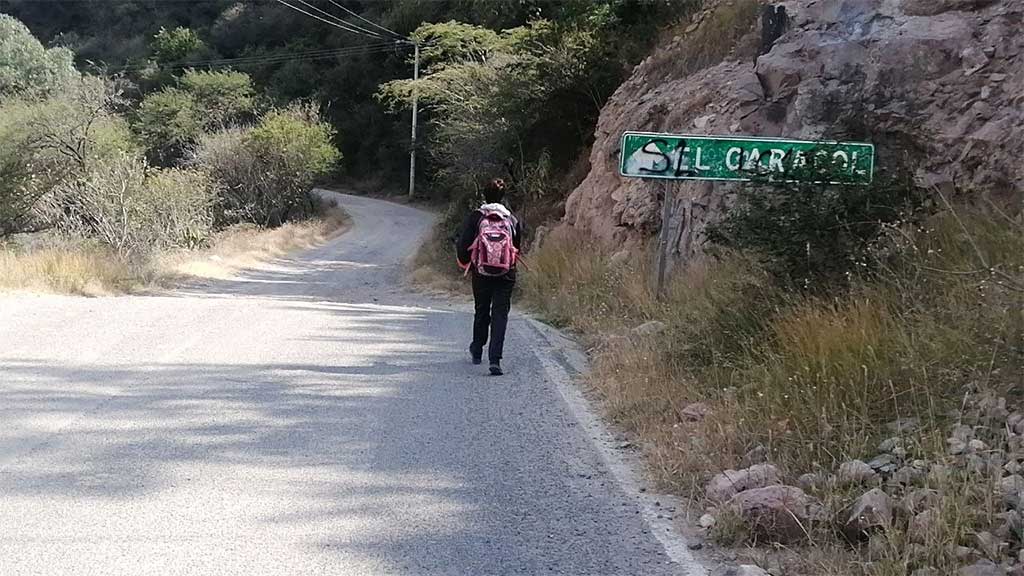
(812, 380)
(87, 269)
(726, 31)
(84, 270)
(246, 246)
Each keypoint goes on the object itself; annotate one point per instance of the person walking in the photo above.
(488, 248)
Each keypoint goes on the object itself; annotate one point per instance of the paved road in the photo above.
(313, 417)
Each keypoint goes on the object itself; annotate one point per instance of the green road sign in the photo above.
(745, 159)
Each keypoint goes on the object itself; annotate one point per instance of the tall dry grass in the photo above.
(812, 379)
(88, 269)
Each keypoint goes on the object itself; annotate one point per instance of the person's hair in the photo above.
(494, 191)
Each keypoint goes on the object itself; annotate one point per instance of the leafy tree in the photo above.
(225, 97)
(168, 121)
(175, 45)
(26, 66)
(266, 172)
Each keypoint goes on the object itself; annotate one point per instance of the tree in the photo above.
(175, 45)
(26, 67)
(225, 97)
(168, 121)
(265, 172)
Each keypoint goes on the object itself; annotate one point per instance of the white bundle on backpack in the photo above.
(493, 252)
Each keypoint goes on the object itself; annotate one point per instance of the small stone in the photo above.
(696, 412)
(855, 472)
(1012, 525)
(922, 525)
(908, 475)
(731, 482)
(899, 452)
(1013, 419)
(1011, 488)
(706, 521)
(756, 455)
(938, 474)
(977, 446)
(982, 568)
(871, 512)
(783, 514)
(956, 446)
(963, 433)
(650, 328)
(810, 481)
(919, 500)
(889, 444)
(964, 553)
(695, 545)
(989, 545)
(750, 570)
(903, 425)
(884, 463)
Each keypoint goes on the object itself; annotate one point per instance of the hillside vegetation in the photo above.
(94, 185)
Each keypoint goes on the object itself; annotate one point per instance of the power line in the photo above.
(355, 27)
(370, 22)
(270, 58)
(336, 22)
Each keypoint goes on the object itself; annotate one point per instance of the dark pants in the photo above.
(493, 297)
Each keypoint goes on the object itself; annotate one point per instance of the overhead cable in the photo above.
(370, 22)
(331, 19)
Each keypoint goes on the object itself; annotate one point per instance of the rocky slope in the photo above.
(937, 84)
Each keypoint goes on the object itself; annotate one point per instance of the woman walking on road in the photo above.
(488, 248)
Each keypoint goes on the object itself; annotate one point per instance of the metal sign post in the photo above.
(736, 159)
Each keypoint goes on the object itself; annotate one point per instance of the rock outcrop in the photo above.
(940, 80)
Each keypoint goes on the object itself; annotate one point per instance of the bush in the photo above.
(56, 139)
(26, 67)
(225, 98)
(175, 45)
(169, 121)
(266, 172)
(134, 210)
(815, 236)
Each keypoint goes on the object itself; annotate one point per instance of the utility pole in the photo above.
(415, 110)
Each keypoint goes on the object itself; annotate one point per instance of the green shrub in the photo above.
(225, 97)
(175, 45)
(134, 210)
(47, 141)
(26, 67)
(168, 122)
(815, 236)
(266, 172)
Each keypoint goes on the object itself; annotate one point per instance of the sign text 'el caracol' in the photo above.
(745, 159)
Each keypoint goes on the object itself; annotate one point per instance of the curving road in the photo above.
(311, 417)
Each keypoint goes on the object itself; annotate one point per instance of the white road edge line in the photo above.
(624, 473)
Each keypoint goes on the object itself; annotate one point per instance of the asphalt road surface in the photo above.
(311, 417)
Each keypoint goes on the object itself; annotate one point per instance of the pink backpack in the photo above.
(493, 253)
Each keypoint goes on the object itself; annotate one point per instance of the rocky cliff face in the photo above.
(940, 82)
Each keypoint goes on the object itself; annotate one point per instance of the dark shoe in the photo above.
(478, 358)
(495, 369)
